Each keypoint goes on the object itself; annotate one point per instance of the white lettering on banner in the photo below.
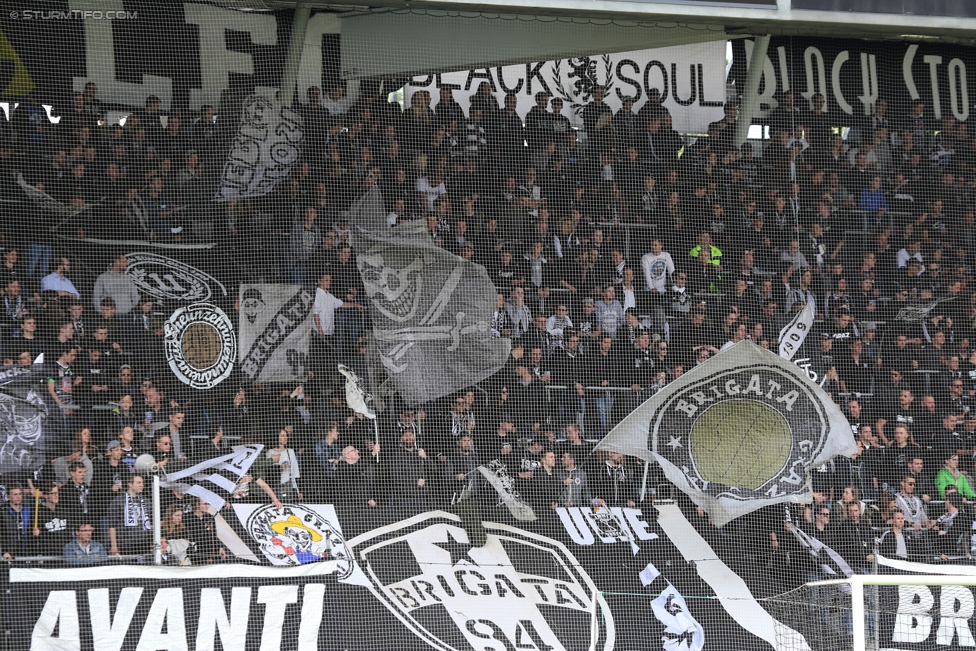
(214, 620)
(869, 81)
(166, 613)
(582, 524)
(913, 623)
(108, 632)
(100, 62)
(906, 70)
(934, 62)
(690, 79)
(827, 78)
(958, 90)
(835, 81)
(275, 599)
(809, 56)
(60, 613)
(165, 626)
(216, 61)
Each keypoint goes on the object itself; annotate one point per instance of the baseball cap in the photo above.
(112, 445)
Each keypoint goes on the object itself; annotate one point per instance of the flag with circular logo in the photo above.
(737, 433)
(200, 345)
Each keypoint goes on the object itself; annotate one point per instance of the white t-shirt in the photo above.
(657, 268)
(325, 307)
(431, 192)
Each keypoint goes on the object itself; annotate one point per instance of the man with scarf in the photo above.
(129, 524)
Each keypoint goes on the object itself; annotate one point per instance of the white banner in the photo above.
(690, 79)
(267, 144)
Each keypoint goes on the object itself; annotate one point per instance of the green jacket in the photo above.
(944, 479)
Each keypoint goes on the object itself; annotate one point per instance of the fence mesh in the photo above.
(365, 290)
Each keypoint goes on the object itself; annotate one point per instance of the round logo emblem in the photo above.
(200, 345)
(746, 433)
(297, 535)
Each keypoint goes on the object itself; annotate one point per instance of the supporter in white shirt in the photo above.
(658, 267)
(323, 312)
(340, 99)
(432, 189)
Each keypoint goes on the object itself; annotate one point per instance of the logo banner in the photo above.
(274, 328)
(298, 534)
(200, 345)
(737, 433)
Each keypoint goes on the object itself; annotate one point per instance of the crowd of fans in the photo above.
(624, 254)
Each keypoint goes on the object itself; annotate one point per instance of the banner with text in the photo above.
(853, 75)
(423, 585)
(689, 78)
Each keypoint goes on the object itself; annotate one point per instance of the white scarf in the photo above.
(135, 512)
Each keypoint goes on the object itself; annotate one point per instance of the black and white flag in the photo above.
(215, 480)
(23, 412)
(738, 433)
(48, 204)
(275, 325)
(916, 311)
(680, 630)
(793, 334)
(268, 143)
(831, 563)
(503, 483)
(357, 397)
(430, 309)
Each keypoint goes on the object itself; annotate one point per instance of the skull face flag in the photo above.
(737, 433)
(430, 309)
(22, 416)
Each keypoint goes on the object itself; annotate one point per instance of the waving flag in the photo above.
(23, 413)
(430, 309)
(793, 334)
(737, 433)
(214, 480)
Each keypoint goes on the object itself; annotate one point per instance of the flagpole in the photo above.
(647, 468)
(376, 431)
(157, 532)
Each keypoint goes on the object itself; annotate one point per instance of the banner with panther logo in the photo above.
(737, 433)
